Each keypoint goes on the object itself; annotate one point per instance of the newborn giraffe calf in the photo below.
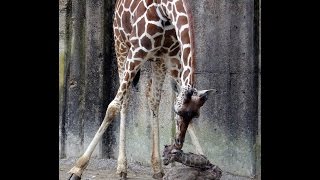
(201, 162)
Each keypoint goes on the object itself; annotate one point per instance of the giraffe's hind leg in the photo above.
(134, 60)
(122, 158)
(154, 97)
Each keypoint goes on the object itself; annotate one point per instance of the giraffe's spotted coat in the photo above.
(160, 31)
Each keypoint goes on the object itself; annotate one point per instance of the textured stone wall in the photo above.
(227, 60)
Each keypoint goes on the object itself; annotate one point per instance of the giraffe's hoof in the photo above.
(158, 175)
(74, 177)
(123, 175)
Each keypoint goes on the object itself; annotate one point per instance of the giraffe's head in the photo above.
(170, 154)
(187, 106)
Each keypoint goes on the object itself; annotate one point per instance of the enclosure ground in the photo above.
(105, 169)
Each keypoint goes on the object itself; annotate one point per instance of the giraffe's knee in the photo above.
(113, 108)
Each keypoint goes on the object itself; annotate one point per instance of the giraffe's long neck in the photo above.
(180, 15)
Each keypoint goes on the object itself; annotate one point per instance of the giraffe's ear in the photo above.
(205, 93)
(175, 86)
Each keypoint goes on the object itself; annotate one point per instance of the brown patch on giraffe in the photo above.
(127, 4)
(185, 39)
(116, 32)
(128, 44)
(175, 46)
(131, 66)
(174, 73)
(135, 43)
(126, 78)
(186, 52)
(124, 86)
(140, 54)
(120, 9)
(126, 24)
(158, 41)
(175, 51)
(134, 32)
(134, 64)
(158, 53)
(134, 5)
(180, 7)
(141, 27)
(163, 51)
(123, 35)
(190, 63)
(148, 2)
(174, 14)
(168, 41)
(153, 29)
(140, 10)
(152, 14)
(146, 42)
(132, 75)
(171, 32)
(186, 74)
(182, 20)
(117, 19)
(129, 56)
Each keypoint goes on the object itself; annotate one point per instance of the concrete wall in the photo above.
(227, 59)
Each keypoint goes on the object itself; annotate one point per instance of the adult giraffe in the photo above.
(159, 31)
